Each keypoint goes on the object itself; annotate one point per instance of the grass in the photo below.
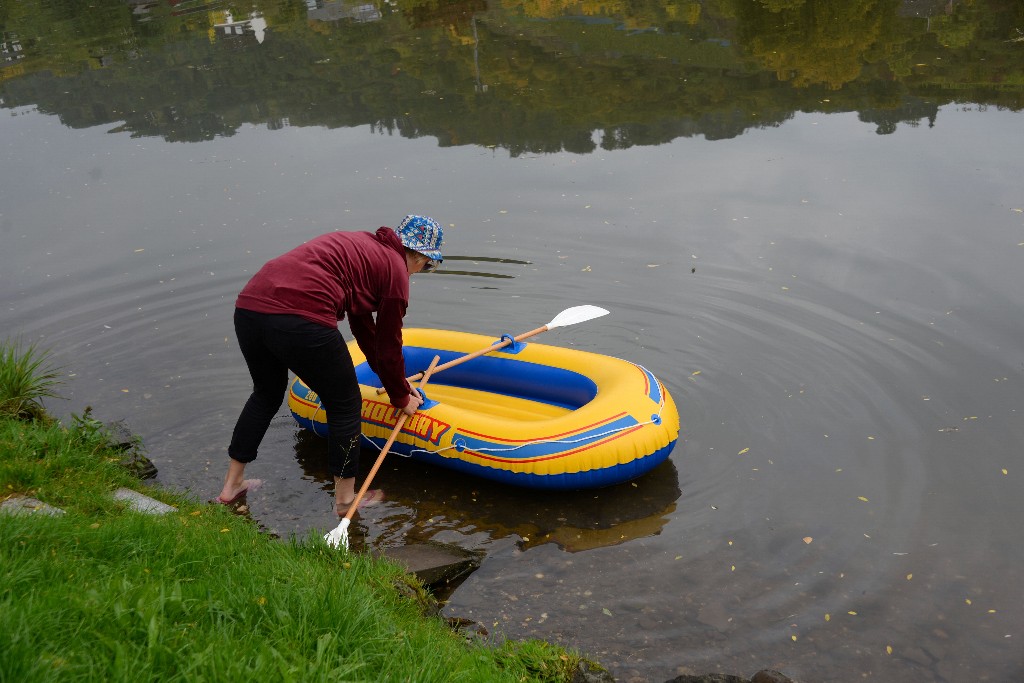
(103, 593)
(26, 377)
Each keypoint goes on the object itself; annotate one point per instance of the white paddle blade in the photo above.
(338, 537)
(576, 314)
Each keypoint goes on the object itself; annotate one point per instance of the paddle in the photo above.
(570, 316)
(339, 535)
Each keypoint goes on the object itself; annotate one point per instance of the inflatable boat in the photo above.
(525, 414)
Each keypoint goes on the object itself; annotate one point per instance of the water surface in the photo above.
(824, 267)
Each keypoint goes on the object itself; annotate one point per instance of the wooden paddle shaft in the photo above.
(476, 354)
(387, 445)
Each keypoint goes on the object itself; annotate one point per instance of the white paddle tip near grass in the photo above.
(338, 536)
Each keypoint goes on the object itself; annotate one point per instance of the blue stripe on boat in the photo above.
(570, 442)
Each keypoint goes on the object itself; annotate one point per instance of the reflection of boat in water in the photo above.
(528, 415)
(474, 512)
(424, 504)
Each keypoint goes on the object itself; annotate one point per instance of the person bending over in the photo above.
(286, 318)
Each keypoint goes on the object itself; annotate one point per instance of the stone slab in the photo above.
(143, 503)
(434, 564)
(23, 505)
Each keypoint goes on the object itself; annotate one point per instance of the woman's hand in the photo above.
(415, 401)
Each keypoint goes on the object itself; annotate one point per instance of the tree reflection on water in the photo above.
(529, 77)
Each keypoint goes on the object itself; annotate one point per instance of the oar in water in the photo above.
(339, 535)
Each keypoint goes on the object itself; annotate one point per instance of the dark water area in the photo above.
(806, 218)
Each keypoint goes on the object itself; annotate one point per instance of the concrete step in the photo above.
(436, 565)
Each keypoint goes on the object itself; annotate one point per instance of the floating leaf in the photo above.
(862, 498)
(697, 372)
(745, 450)
(968, 601)
(606, 611)
(909, 577)
(808, 540)
(828, 617)
(585, 270)
(851, 612)
(794, 638)
(1004, 471)
(888, 649)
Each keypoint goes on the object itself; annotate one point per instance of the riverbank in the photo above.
(101, 591)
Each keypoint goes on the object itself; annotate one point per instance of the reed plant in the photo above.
(103, 593)
(27, 376)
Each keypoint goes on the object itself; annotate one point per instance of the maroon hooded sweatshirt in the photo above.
(339, 274)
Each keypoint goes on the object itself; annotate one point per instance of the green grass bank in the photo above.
(104, 593)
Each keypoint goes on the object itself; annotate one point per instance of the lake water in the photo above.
(813, 237)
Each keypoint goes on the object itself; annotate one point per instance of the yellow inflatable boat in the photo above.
(527, 414)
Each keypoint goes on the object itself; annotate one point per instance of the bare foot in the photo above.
(372, 497)
(231, 495)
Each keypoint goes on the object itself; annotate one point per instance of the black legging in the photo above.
(274, 344)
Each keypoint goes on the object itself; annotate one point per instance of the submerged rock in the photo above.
(130, 447)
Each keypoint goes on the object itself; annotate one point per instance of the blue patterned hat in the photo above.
(422, 234)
